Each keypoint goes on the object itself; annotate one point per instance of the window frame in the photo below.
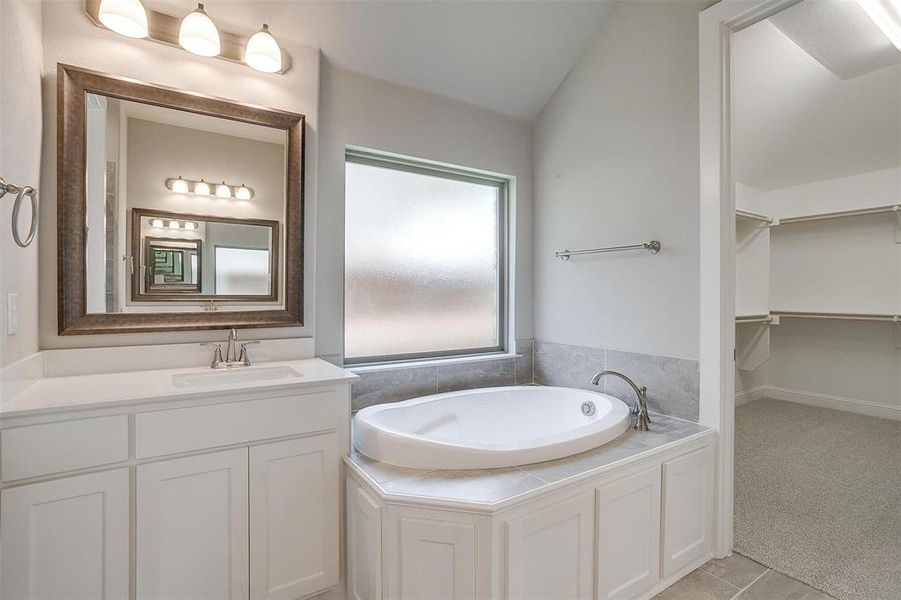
(502, 184)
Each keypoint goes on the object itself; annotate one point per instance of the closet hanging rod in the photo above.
(838, 316)
(841, 214)
(653, 247)
(747, 214)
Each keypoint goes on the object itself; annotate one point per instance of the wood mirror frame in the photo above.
(73, 84)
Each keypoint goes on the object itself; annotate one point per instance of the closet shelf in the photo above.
(746, 319)
(895, 208)
(747, 214)
(837, 316)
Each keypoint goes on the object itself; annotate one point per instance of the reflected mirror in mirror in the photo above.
(195, 257)
(181, 208)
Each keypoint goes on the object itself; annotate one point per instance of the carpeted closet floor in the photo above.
(818, 497)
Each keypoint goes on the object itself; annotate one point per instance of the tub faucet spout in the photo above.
(641, 408)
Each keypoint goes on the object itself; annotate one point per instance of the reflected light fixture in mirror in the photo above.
(223, 191)
(190, 225)
(198, 34)
(179, 185)
(125, 17)
(886, 14)
(157, 223)
(243, 193)
(263, 52)
(174, 225)
(202, 188)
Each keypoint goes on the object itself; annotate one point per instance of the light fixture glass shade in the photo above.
(262, 52)
(125, 17)
(243, 193)
(190, 225)
(202, 188)
(157, 223)
(180, 186)
(886, 14)
(198, 34)
(174, 225)
(223, 191)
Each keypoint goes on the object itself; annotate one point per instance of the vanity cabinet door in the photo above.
(192, 527)
(66, 538)
(687, 509)
(294, 505)
(628, 542)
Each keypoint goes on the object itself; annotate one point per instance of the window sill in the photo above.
(434, 362)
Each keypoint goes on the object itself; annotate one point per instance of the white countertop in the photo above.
(78, 392)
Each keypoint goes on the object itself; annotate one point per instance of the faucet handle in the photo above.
(244, 357)
(217, 353)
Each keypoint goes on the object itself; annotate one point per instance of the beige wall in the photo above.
(20, 159)
(362, 111)
(69, 37)
(616, 162)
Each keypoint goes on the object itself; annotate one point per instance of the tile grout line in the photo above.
(715, 576)
(747, 587)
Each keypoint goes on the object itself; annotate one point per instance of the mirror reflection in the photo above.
(182, 208)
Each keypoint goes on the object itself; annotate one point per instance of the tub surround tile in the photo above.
(566, 366)
(484, 486)
(523, 362)
(381, 472)
(471, 375)
(673, 383)
(393, 385)
(492, 486)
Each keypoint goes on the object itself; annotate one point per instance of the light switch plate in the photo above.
(12, 313)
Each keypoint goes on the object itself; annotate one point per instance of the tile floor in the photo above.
(738, 578)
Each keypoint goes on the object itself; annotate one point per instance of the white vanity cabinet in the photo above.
(66, 538)
(625, 532)
(228, 496)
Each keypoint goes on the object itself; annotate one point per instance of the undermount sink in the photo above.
(233, 376)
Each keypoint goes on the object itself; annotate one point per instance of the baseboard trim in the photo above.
(853, 405)
(751, 395)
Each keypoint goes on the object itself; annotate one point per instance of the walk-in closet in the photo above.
(817, 163)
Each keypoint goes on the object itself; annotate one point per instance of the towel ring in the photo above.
(21, 192)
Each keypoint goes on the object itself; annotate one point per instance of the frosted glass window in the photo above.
(423, 263)
(242, 271)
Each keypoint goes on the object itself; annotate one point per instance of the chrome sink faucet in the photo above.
(641, 408)
(233, 358)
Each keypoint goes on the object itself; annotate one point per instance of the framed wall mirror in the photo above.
(176, 210)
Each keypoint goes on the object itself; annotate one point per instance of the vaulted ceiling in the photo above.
(505, 55)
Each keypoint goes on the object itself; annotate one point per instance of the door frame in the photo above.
(716, 25)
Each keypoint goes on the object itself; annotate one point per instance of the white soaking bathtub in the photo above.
(490, 427)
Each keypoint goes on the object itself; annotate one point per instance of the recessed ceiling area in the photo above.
(502, 55)
(838, 34)
(795, 121)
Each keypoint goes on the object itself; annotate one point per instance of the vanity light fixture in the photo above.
(243, 193)
(190, 225)
(174, 225)
(125, 17)
(886, 14)
(198, 34)
(202, 188)
(157, 223)
(263, 52)
(179, 186)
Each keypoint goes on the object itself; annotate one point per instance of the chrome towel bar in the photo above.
(653, 247)
(21, 192)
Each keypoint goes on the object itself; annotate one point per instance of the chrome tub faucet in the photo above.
(641, 408)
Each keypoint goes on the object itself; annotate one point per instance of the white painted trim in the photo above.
(852, 405)
(717, 242)
(450, 360)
